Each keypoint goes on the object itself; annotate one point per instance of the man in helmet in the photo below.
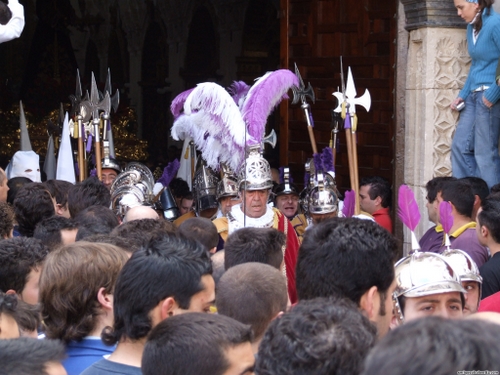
(468, 272)
(110, 169)
(255, 185)
(426, 285)
(227, 192)
(322, 201)
(286, 200)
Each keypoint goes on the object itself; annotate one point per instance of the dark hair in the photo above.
(6, 220)
(95, 220)
(90, 192)
(319, 336)
(489, 216)
(200, 229)
(435, 345)
(27, 316)
(15, 184)
(180, 188)
(59, 189)
(262, 245)
(49, 230)
(111, 240)
(483, 4)
(29, 356)
(33, 203)
(167, 267)
(459, 193)
(479, 187)
(379, 187)
(70, 281)
(495, 189)
(5, 13)
(138, 233)
(192, 344)
(18, 257)
(252, 293)
(345, 256)
(435, 185)
(8, 304)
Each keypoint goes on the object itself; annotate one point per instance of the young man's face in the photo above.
(241, 359)
(226, 203)
(365, 202)
(31, 288)
(446, 305)
(255, 202)
(471, 297)
(288, 204)
(108, 176)
(204, 299)
(185, 206)
(384, 314)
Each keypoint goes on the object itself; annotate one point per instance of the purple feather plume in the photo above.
(349, 203)
(327, 159)
(445, 216)
(318, 163)
(408, 211)
(347, 122)
(262, 98)
(282, 174)
(238, 90)
(169, 172)
(178, 102)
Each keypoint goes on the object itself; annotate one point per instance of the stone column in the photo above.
(436, 69)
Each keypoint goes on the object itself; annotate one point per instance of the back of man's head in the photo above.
(200, 229)
(140, 212)
(90, 192)
(5, 13)
(15, 184)
(489, 216)
(195, 344)
(252, 293)
(6, 220)
(18, 257)
(167, 267)
(69, 285)
(112, 240)
(459, 193)
(33, 203)
(435, 345)
(262, 245)
(379, 187)
(319, 336)
(138, 233)
(435, 185)
(346, 257)
(479, 187)
(95, 220)
(30, 356)
(59, 189)
(49, 230)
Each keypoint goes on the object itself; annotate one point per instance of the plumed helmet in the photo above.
(423, 274)
(110, 163)
(285, 187)
(205, 187)
(256, 172)
(322, 199)
(463, 264)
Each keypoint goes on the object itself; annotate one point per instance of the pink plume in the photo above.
(408, 211)
(262, 98)
(238, 90)
(349, 203)
(178, 103)
(445, 216)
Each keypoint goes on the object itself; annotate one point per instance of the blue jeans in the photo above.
(474, 151)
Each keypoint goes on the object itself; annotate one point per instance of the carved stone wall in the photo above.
(437, 68)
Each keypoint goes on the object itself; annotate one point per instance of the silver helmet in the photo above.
(256, 172)
(110, 163)
(205, 187)
(423, 274)
(322, 199)
(228, 184)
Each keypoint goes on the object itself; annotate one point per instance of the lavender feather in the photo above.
(349, 203)
(282, 174)
(178, 103)
(238, 90)
(327, 159)
(262, 98)
(169, 172)
(318, 163)
(408, 210)
(347, 122)
(445, 216)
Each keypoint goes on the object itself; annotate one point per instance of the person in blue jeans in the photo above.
(474, 151)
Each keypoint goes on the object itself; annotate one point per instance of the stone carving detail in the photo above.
(135, 20)
(451, 68)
